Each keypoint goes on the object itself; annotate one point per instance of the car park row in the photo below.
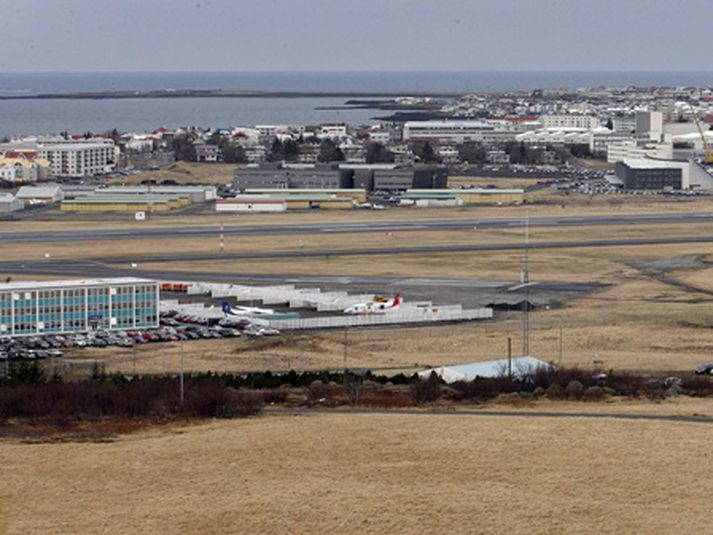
(173, 327)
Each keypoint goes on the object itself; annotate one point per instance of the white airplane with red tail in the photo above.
(377, 306)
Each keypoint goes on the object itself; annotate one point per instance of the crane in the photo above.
(706, 147)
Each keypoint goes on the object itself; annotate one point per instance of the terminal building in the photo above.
(55, 307)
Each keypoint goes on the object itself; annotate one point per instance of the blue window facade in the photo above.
(77, 306)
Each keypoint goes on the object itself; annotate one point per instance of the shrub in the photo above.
(426, 391)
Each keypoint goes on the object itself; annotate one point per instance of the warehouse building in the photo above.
(466, 196)
(49, 193)
(141, 202)
(9, 203)
(38, 307)
(280, 201)
(196, 193)
(357, 195)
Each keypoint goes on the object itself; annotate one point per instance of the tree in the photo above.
(425, 152)
(377, 153)
(472, 152)
(330, 152)
(290, 150)
(232, 152)
(215, 138)
(183, 148)
(610, 124)
(277, 152)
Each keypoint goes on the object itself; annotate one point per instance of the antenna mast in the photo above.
(526, 283)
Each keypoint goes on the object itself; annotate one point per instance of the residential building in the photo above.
(208, 153)
(498, 157)
(78, 159)
(53, 307)
(569, 120)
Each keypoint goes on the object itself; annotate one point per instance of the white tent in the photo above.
(490, 368)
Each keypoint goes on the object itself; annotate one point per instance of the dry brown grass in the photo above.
(183, 173)
(339, 473)
(547, 204)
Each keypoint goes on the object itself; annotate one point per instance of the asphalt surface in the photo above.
(505, 414)
(468, 292)
(376, 226)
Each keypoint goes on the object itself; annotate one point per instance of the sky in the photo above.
(355, 35)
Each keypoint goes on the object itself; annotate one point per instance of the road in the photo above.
(682, 418)
(376, 226)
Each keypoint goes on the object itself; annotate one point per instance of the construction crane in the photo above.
(706, 147)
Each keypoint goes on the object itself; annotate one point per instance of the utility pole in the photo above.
(346, 345)
(510, 357)
(560, 360)
(181, 376)
(222, 237)
(526, 283)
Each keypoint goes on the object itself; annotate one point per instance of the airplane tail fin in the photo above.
(397, 300)
(226, 308)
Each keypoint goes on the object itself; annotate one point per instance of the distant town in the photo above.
(628, 139)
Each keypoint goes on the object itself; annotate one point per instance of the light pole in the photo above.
(181, 381)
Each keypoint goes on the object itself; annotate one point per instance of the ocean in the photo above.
(76, 116)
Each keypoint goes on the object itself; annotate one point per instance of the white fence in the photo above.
(329, 301)
(393, 318)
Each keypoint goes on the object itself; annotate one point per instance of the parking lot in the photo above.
(173, 327)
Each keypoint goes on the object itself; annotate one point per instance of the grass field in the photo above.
(337, 473)
(184, 173)
(640, 320)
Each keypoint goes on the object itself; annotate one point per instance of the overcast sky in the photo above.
(363, 35)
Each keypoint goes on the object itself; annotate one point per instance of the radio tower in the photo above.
(526, 301)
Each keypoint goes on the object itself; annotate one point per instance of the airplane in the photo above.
(244, 311)
(375, 307)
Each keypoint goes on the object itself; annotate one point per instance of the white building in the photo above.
(446, 131)
(649, 124)
(616, 152)
(601, 138)
(50, 193)
(9, 203)
(587, 122)
(78, 159)
(332, 131)
(556, 136)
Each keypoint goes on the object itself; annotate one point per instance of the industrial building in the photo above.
(367, 177)
(357, 195)
(465, 196)
(49, 193)
(280, 200)
(653, 174)
(9, 203)
(196, 193)
(44, 307)
(136, 202)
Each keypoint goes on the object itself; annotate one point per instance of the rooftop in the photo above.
(81, 283)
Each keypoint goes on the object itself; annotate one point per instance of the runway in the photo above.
(376, 226)
(363, 251)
